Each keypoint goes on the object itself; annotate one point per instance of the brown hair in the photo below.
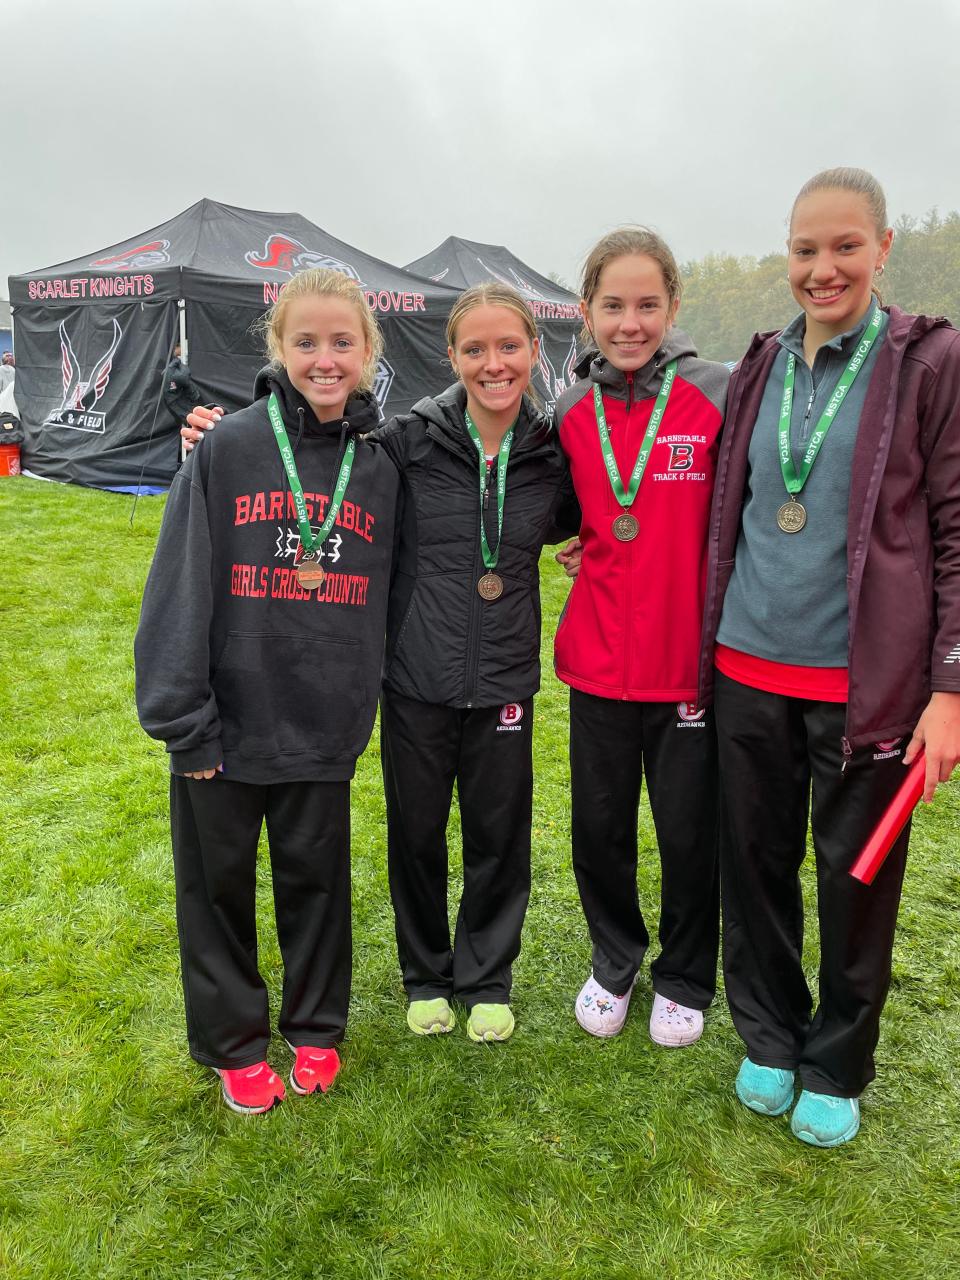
(324, 283)
(859, 181)
(489, 294)
(618, 244)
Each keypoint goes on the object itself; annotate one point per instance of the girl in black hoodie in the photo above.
(258, 661)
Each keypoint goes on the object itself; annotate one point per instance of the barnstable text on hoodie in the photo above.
(277, 503)
(279, 581)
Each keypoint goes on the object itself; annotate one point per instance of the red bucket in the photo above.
(9, 460)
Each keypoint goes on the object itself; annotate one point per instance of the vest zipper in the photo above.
(804, 425)
(476, 604)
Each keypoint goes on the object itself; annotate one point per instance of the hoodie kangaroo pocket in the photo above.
(282, 695)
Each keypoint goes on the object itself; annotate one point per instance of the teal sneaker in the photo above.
(430, 1017)
(490, 1022)
(825, 1121)
(766, 1090)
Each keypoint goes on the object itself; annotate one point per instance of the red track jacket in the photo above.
(632, 624)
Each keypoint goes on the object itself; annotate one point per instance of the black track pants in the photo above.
(612, 744)
(487, 751)
(216, 825)
(778, 757)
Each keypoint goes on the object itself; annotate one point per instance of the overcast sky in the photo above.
(533, 123)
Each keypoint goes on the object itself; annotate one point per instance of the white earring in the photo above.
(879, 270)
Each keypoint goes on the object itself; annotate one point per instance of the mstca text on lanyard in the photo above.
(490, 585)
(626, 526)
(792, 515)
(308, 568)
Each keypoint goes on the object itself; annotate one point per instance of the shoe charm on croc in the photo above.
(599, 1011)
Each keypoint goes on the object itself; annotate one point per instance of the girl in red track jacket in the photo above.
(640, 430)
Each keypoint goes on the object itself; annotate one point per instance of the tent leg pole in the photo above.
(184, 353)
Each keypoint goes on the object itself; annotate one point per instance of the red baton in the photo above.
(894, 819)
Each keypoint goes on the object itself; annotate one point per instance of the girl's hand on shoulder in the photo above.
(938, 732)
(199, 421)
(201, 774)
(569, 557)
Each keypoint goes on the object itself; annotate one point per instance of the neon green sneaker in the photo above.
(430, 1017)
(489, 1022)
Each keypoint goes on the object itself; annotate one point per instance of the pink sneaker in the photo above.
(600, 1011)
(251, 1090)
(313, 1069)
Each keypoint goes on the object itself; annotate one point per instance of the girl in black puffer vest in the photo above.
(463, 644)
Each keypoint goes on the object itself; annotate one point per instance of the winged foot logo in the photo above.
(81, 395)
(553, 382)
(518, 282)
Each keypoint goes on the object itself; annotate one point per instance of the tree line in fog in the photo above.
(727, 299)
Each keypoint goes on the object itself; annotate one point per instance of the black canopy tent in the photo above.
(94, 334)
(462, 263)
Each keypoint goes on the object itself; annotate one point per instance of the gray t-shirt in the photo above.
(787, 598)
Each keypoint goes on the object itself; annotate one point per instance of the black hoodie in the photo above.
(445, 644)
(235, 662)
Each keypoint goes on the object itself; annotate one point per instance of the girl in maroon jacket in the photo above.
(640, 430)
(833, 610)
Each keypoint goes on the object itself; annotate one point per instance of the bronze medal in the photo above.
(490, 586)
(626, 527)
(792, 516)
(310, 572)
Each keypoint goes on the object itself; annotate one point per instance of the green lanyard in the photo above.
(490, 558)
(308, 542)
(795, 479)
(626, 496)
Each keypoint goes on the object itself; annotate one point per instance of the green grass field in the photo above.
(553, 1155)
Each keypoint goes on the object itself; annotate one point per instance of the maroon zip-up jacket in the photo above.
(903, 525)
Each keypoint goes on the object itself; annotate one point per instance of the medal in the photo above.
(625, 527)
(308, 570)
(490, 586)
(792, 516)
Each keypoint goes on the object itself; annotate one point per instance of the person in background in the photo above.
(180, 392)
(833, 617)
(7, 370)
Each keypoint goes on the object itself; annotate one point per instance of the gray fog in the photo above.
(395, 123)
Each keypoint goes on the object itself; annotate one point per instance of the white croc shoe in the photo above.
(672, 1024)
(599, 1011)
